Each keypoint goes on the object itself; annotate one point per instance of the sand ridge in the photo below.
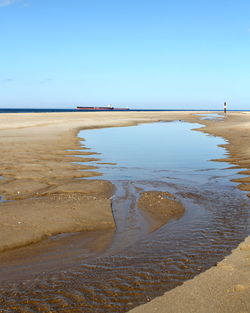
(224, 288)
(39, 179)
(40, 176)
(160, 207)
(235, 129)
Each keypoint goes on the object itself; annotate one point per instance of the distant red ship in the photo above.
(107, 108)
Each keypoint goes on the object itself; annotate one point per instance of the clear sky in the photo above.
(137, 53)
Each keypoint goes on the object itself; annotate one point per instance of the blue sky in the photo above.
(140, 53)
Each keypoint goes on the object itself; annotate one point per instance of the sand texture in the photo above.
(224, 288)
(235, 128)
(45, 196)
(41, 181)
(160, 207)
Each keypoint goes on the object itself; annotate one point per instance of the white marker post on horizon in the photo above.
(225, 107)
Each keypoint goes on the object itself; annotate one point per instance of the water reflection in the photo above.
(162, 151)
(211, 116)
(139, 265)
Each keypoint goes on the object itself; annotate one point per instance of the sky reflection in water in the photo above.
(157, 151)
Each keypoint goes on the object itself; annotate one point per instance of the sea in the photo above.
(50, 110)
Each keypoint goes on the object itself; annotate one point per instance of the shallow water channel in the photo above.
(138, 263)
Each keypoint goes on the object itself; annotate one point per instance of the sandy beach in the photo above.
(37, 151)
(43, 195)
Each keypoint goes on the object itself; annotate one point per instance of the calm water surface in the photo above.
(158, 151)
(139, 265)
(211, 116)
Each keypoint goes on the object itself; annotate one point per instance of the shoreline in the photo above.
(38, 151)
(224, 288)
(50, 176)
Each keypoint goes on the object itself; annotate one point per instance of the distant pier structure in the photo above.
(225, 107)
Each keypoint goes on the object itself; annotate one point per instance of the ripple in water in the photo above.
(138, 265)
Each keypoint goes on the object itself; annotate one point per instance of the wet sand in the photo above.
(225, 288)
(36, 156)
(160, 207)
(37, 169)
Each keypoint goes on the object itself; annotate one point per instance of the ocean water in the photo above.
(51, 110)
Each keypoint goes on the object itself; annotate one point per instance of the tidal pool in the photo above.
(162, 156)
(139, 264)
(211, 116)
(158, 151)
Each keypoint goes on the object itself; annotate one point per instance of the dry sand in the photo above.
(47, 198)
(224, 288)
(41, 181)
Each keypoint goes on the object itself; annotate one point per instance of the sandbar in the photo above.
(44, 194)
(224, 288)
(41, 181)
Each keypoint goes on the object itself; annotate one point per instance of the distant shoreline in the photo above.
(50, 110)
